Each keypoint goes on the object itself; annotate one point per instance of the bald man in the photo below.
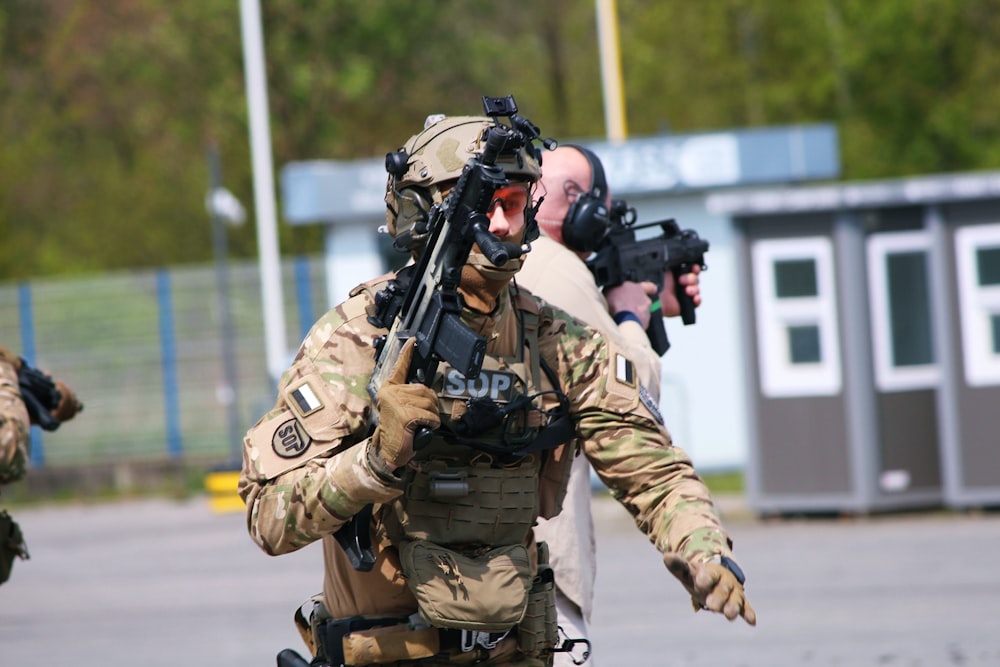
(572, 219)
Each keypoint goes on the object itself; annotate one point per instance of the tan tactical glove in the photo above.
(10, 358)
(716, 585)
(68, 405)
(402, 408)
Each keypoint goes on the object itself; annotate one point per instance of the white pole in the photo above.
(263, 188)
(611, 71)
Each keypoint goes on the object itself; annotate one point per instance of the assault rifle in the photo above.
(42, 395)
(423, 301)
(622, 257)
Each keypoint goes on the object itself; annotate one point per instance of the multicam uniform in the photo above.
(456, 556)
(14, 423)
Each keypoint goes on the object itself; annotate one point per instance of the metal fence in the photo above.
(145, 352)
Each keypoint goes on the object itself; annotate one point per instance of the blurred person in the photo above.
(573, 218)
(454, 574)
(27, 396)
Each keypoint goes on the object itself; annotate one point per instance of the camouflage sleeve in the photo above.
(14, 425)
(625, 440)
(305, 470)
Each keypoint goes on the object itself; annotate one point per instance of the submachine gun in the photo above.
(40, 395)
(622, 257)
(423, 301)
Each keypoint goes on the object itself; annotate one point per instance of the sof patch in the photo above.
(624, 369)
(650, 404)
(496, 385)
(290, 440)
(304, 400)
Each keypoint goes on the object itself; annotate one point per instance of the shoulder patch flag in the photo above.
(624, 370)
(305, 400)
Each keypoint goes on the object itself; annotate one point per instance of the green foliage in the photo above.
(107, 109)
(730, 482)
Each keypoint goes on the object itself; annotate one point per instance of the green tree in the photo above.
(107, 109)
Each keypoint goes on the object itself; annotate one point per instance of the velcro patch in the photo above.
(290, 440)
(283, 442)
(624, 370)
(650, 404)
(498, 386)
(304, 399)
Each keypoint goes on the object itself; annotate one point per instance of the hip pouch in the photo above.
(11, 545)
(488, 593)
(537, 633)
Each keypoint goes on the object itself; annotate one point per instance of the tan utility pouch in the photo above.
(396, 642)
(487, 593)
(538, 631)
(11, 545)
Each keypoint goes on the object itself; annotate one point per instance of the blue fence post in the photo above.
(37, 455)
(168, 357)
(303, 295)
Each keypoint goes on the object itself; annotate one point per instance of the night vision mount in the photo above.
(521, 133)
(525, 133)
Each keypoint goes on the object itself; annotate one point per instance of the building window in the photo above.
(977, 262)
(988, 266)
(803, 345)
(795, 304)
(899, 295)
(794, 277)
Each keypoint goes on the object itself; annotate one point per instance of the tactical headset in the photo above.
(587, 220)
(438, 155)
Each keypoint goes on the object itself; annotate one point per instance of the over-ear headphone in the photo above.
(409, 225)
(587, 220)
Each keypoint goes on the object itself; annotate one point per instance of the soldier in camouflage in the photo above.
(15, 419)
(458, 577)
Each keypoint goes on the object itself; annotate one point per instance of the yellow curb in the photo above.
(223, 496)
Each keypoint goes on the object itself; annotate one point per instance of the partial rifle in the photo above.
(40, 395)
(623, 256)
(423, 301)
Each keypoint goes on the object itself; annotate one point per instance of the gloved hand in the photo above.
(712, 586)
(402, 408)
(11, 358)
(68, 404)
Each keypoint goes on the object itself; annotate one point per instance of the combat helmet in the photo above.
(434, 160)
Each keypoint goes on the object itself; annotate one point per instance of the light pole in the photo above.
(272, 295)
(611, 71)
(224, 208)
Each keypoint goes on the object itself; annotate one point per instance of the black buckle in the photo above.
(569, 645)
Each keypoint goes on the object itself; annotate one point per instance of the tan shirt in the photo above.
(558, 275)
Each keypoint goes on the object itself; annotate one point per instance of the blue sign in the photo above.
(332, 191)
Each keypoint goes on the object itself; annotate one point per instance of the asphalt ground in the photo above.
(168, 584)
